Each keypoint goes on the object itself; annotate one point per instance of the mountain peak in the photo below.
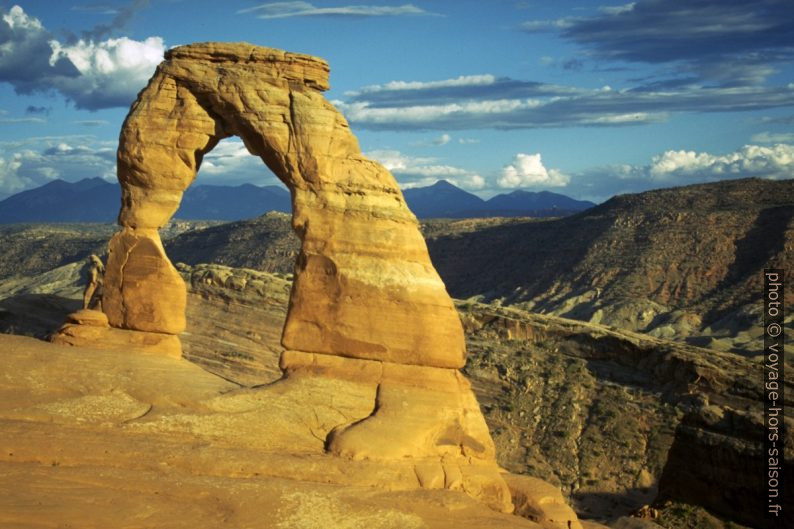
(444, 184)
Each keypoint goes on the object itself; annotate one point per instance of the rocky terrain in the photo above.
(375, 415)
(30, 249)
(266, 243)
(682, 263)
(604, 414)
(94, 438)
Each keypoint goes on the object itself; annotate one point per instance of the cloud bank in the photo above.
(727, 43)
(680, 167)
(486, 101)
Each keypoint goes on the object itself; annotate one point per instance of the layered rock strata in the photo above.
(364, 284)
(366, 304)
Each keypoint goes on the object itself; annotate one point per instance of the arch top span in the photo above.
(364, 284)
(307, 69)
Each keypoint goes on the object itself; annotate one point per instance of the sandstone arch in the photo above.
(364, 284)
(367, 307)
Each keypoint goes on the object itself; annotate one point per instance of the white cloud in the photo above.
(92, 122)
(305, 9)
(111, 72)
(751, 160)
(616, 10)
(463, 80)
(229, 155)
(442, 140)
(17, 19)
(92, 74)
(677, 168)
(35, 161)
(624, 119)
(12, 121)
(534, 26)
(487, 101)
(427, 114)
(10, 180)
(472, 182)
(527, 170)
(412, 171)
(230, 163)
(773, 137)
(399, 163)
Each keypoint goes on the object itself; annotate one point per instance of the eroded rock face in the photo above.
(367, 307)
(364, 284)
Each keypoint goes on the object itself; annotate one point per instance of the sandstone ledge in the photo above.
(169, 433)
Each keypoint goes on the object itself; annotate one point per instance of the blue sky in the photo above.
(585, 98)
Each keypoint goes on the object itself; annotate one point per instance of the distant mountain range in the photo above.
(96, 200)
(444, 200)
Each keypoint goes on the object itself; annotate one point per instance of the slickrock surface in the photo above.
(604, 440)
(539, 501)
(89, 327)
(97, 438)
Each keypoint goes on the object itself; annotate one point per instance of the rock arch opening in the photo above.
(232, 185)
(364, 285)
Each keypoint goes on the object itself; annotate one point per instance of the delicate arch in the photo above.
(364, 284)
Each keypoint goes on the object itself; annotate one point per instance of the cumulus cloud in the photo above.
(111, 72)
(527, 170)
(305, 9)
(775, 162)
(678, 167)
(730, 43)
(92, 74)
(10, 181)
(413, 171)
